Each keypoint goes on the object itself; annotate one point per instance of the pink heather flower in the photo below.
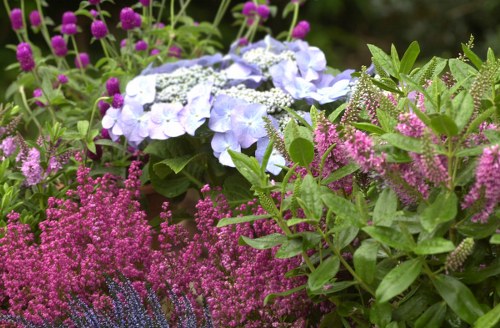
(83, 59)
(249, 8)
(145, 3)
(141, 45)
(24, 56)
(59, 45)
(63, 79)
(98, 29)
(8, 146)
(129, 19)
(31, 168)
(113, 86)
(35, 18)
(16, 19)
(175, 52)
(69, 29)
(301, 30)
(263, 11)
(68, 17)
(487, 184)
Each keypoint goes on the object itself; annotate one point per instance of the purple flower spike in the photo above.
(59, 45)
(69, 29)
(263, 11)
(16, 19)
(301, 29)
(141, 45)
(35, 18)
(129, 19)
(24, 56)
(31, 168)
(83, 59)
(249, 8)
(69, 17)
(113, 86)
(98, 29)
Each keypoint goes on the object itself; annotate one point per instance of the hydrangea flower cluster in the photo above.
(229, 92)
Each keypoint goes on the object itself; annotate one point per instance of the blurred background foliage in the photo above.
(341, 28)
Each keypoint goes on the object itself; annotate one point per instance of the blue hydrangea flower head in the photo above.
(164, 121)
(221, 143)
(197, 109)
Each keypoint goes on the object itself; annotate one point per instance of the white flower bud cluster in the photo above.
(284, 118)
(265, 59)
(174, 86)
(274, 99)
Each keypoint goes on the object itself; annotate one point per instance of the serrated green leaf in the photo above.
(249, 167)
(434, 246)
(264, 242)
(365, 261)
(409, 58)
(458, 297)
(389, 236)
(290, 248)
(177, 164)
(461, 71)
(83, 127)
(443, 209)
(398, 280)
(433, 317)
(323, 273)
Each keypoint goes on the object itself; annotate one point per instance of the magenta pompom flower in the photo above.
(16, 19)
(129, 19)
(98, 29)
(24, 56)
(263, 11)
(145, 3)
(82, 60)
(113, 86)
(35, 18)
(59, 45)
(249, 8)
(69, 17)
(38, 93)
(95, 2)
(175, 52)
(63, 79)
(141, 45)
(69, 29)
(301, 29)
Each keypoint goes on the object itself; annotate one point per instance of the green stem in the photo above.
(294, 20)
(77, 54)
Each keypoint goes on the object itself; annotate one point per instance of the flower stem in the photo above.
(294, 20)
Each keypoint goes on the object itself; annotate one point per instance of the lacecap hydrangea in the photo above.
(231, 94)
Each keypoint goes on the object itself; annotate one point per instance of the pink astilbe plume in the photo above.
(233, 279)
(99, 230)
(487, 185)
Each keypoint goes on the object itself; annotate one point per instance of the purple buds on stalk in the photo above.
(35, 18)
(301, 29)
(24, 56)
(129, 19)
(98, 29)
(16, 19)
(59, 46)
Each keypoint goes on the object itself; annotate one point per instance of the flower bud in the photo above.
(59, 45)
(16, 19)
(35, 18)
(301, 29)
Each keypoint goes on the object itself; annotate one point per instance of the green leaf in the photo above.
(177, 164)
(460, 70)
(83, 127)
(490, 319)
(171, 187)
(365, 126)
(249, 167)
(365, 261)
(389, 236)
(290, 248)
(264, 242)
(443, 124)
(433, 317)
(385, 208)
(495, 239)
(443, 209)
(301, 149)
(475, 60)
(310, 198)
(272, 296)
(479, 230)
(398, 280)
(345, 236)
(323, 273)
(294, 221)
(343, 208)
(241, 219)
(463, 107)
(403, 142)
(395, 59)
(340, 173)
(458, 297)
(382, 59)
(480, 119)
(434, 246)
(381, 314)
(336, 113)
(409, 58)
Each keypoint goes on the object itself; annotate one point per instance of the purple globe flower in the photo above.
(95, 2)
(94, 13)
(175, 52)
(35, 18)
(24, 56)
(141, 45)
(63, 79)
(38, 93)
(69, 17)
(129, 19)
(98, 29)
(301, 29)
(69, 29)
(16, 19)
(263, 11)
(249, 8)
(113, 86)
(117, 101)
(82, 60)
(145, 3)
(154, 52)
(103, 107)
(123, 43)
(59, 45)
